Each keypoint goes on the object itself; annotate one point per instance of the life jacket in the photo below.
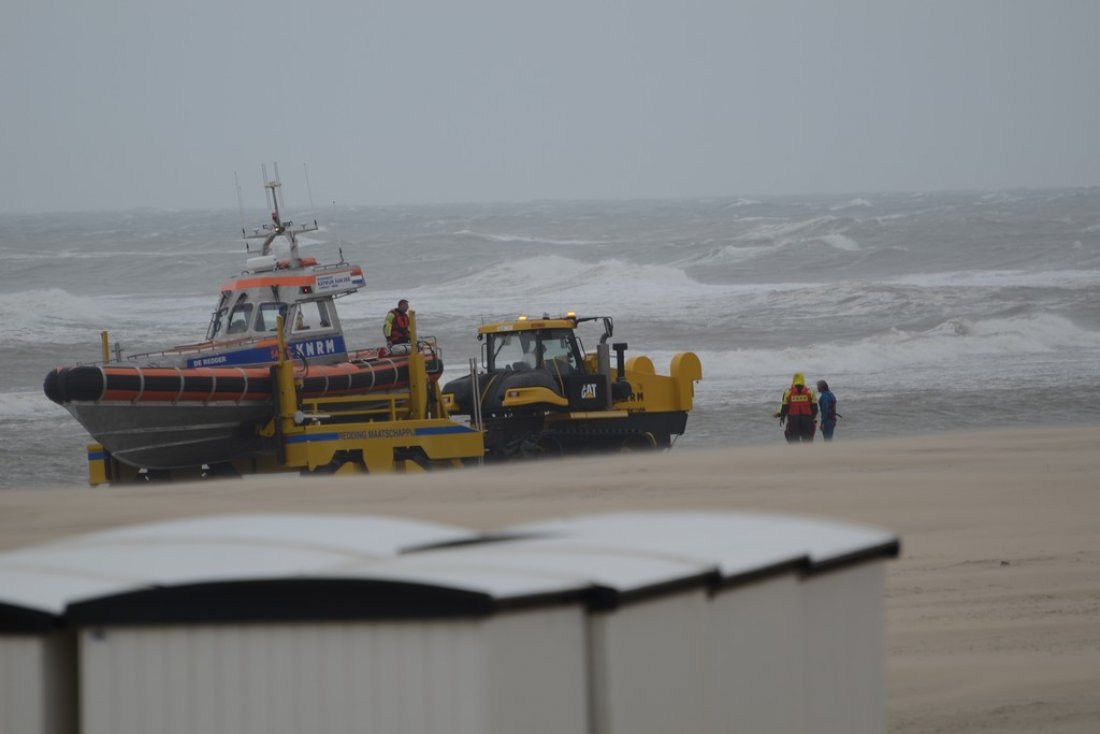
(399, 327)
(799, 401)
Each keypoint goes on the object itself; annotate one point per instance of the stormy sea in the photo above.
(925, 312)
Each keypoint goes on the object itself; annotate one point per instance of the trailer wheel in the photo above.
(412, 454)
(545, 447)
(343, 462)
(641, 442)
(220, 471)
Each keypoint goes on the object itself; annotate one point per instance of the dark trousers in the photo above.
(827, 428)
(800, 428)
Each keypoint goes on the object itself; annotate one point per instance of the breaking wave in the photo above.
(984, 345)
(528, 239)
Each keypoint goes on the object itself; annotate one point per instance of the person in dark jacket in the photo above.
(826, 403)
(396, 328)
(798, 408)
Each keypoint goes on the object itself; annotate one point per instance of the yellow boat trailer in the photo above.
(407, 430)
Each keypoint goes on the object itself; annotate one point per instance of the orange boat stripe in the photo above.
(240, 285)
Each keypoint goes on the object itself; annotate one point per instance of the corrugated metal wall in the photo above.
(845, 653)
(508, 673)
(754, 659)
(732, 624)
(648, 666)
(37, 684)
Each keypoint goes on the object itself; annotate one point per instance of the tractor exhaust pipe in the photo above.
(620, 361)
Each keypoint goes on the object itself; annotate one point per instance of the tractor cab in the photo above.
(539, 391)
(547, 343)
(538, 365)
(526, 344)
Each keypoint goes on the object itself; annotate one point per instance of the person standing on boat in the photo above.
(396, 328)
(826, 402)
(798, 408)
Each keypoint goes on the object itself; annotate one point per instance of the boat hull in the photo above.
(172, 418)
(161, 435)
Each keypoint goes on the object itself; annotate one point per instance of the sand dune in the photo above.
(993, 608)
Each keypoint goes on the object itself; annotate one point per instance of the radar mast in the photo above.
(278, 226)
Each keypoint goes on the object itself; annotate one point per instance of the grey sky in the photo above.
(117, 104)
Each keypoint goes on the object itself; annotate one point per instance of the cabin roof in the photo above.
(298, 567)
(527, 325)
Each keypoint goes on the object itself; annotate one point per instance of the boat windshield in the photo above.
(217, 323)
(240, 316)
(268, 317)
(217, 319)
(312, 315)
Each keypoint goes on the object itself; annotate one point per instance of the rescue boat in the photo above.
(204, 403)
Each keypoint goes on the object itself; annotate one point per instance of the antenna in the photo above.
(274, 201)
(277, 227)
(240, 209)
(268, 190)
(278, 186)
(309, 190)
(336, 230)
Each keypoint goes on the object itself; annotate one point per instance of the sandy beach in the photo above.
(992, 610)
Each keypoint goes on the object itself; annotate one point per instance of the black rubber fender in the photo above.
(66, 384)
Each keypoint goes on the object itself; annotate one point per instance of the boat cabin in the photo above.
(276, 282)
(248, 310)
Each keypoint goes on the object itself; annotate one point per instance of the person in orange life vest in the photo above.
(396, 328)
(799, 409)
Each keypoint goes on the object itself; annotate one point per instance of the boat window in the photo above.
(217, 319)
(217, 323)
(312, 315)
(240, 317)
(267, 318)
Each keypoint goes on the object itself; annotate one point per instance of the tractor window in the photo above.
(514, 351)
(528, 349)
(557, 344)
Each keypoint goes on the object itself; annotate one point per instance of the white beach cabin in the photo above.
(646, 607)
(600, 624)
(789, 640)
(40, 683)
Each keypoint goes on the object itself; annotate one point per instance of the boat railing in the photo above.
(317, 268)
(429, 347)
(199, 348)
(381, 406)
(331, 266)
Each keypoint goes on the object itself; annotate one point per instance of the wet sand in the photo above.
(992, 610)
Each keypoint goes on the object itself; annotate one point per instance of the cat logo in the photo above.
(588, 392)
